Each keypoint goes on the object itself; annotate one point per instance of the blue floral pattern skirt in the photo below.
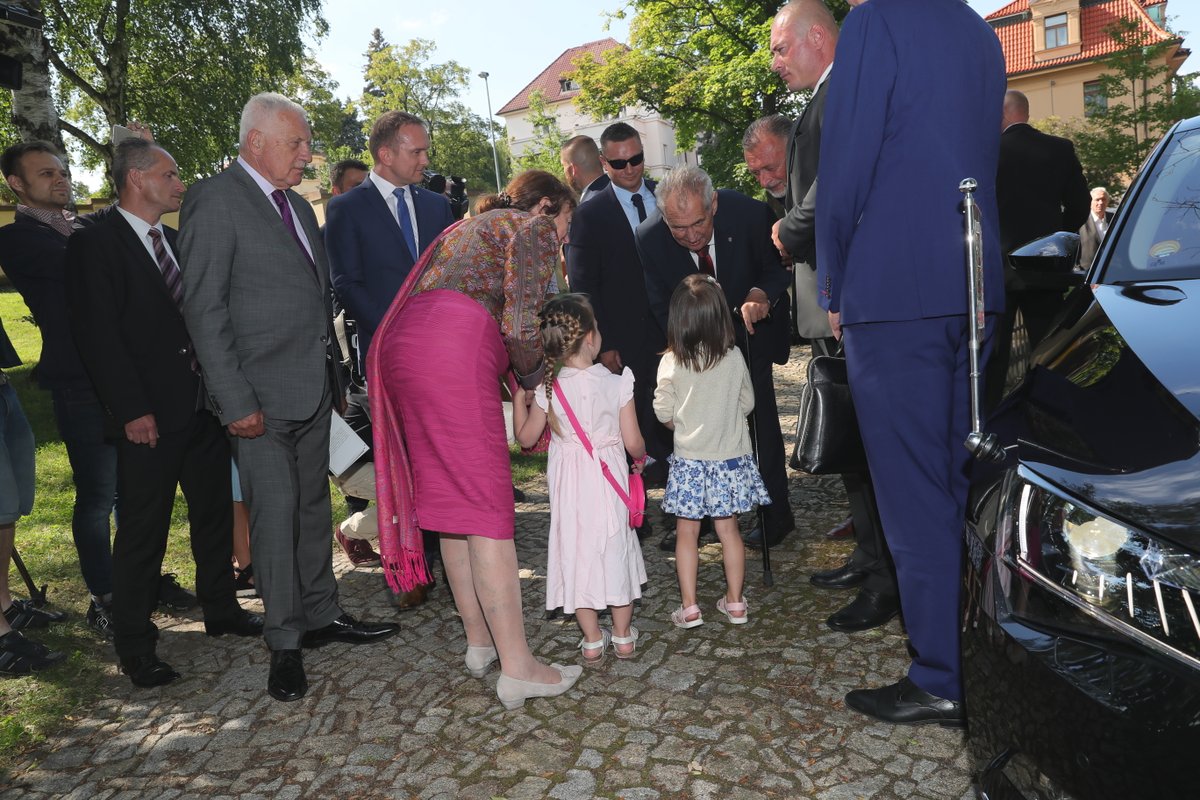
(698, 489)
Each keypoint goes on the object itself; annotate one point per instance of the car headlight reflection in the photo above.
(1121, 576)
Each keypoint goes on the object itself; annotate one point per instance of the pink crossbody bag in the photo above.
(635, 498)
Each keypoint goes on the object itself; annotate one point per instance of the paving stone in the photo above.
(750, 713)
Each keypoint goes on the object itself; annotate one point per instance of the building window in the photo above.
(1094, 101)
(1156, 13)
(567, 85)
(1056, 31)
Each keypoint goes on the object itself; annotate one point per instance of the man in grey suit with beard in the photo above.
(256, 289)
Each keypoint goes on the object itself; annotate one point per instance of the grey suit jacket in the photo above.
(258, 312)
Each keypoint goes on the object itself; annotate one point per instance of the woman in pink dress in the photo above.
(467, 311)
(594, 560)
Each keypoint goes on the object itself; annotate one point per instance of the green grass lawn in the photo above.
(33, 707)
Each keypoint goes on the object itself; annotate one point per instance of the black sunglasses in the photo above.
(621, 163)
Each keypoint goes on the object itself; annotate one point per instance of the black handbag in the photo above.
(828, 441)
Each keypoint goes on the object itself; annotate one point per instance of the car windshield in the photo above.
(1160, 239)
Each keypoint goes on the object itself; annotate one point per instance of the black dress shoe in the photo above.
(347, 629)
(241, 624)
(287, 680)
(146, 670)
(867, 610)
(774, 536)
(847, 576)
(905, 703)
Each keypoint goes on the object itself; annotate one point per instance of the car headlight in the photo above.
(1122, 577)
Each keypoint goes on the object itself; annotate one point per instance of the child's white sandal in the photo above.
(632, 639)
(586, 647)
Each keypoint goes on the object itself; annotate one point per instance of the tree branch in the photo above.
(75, 78)
(84, 137)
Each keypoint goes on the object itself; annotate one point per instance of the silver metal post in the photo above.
(983, 446)
(492, 130)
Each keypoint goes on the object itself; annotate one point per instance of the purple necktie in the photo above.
(168, 267)
(285, 211)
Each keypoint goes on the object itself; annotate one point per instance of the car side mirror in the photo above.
(1057, 252)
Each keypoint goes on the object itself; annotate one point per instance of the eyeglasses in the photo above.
(621, 163)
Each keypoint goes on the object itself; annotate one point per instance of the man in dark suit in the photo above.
(256, 302)
(1040, 189)
(602, 261)
(727, 235)
(374, 233)
(124, 295)
(803, 39)
(32, 250)
(580, 159)
(913, 108)
(1095, 227)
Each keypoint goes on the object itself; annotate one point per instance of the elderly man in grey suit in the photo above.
(256, 283)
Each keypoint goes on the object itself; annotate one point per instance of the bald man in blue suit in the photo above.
(913, 107)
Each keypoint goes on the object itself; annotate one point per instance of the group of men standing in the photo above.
(175, 341)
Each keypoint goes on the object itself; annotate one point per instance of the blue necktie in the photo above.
(406, 227)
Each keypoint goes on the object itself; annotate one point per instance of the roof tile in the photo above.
(548, 80)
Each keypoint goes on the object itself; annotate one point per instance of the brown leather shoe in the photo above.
(358, 551)
(843, 530)
(413, 598)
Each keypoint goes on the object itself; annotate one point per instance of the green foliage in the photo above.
(542, 152)
(402, 78)
(1145, 99)
(183, 67)
(702, 65)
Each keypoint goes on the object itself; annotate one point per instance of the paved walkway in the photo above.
(715, 712)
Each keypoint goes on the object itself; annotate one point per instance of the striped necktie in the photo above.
(168, 267)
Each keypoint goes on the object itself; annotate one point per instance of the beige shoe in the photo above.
(479, 660)
(513, 693)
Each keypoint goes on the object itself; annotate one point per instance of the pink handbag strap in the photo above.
(587, 445)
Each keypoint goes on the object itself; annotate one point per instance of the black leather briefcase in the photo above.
(828, 441)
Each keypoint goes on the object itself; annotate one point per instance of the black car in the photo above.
(1081, 637)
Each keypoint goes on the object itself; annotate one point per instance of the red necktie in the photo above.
(706, 262)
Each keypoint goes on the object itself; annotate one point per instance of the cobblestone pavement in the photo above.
(718, 711)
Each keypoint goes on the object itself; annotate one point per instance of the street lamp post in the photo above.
(492, 130)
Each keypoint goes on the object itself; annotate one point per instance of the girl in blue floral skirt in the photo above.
(703, 395)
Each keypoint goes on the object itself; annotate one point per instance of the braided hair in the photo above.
(564, 322)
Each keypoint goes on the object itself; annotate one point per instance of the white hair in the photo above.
(260, 108)
(689, 180)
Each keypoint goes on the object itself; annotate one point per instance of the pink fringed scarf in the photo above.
(401, 546)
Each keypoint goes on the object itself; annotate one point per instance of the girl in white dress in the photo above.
(594, 560)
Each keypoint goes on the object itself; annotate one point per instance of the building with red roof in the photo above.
(559, 92)
(1054, 49)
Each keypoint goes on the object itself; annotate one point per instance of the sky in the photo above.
(514, 46)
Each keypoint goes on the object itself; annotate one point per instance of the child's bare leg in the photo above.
(589, 624)
(622, 617)
(687, 558)
(733, 554)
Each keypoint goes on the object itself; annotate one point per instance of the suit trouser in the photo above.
(772, 462)
(286, 485)
(909, 381)
(197, 460)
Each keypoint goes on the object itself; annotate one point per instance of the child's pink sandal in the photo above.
(680, 617)
(631, 639)
(728, 610)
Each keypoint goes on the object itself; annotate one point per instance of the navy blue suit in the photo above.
(745, 259)
(368, 260)
(913, 108)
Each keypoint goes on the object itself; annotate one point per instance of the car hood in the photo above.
(1111, 410)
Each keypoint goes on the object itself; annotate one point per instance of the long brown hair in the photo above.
(699, 325)
(563, 322)
(527, 189)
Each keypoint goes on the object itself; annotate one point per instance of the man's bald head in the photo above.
(1016, 108)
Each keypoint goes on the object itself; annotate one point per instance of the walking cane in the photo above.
(768, 579)
(983, 446)
(37, 597)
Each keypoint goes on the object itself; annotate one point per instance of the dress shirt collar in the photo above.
(824, 77)
(386, 187)
(62, 221)
(625, 198)
(262, 182)
(142, 229)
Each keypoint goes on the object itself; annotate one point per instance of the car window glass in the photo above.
(1160, 239)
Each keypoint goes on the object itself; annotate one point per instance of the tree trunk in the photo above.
(34, 114)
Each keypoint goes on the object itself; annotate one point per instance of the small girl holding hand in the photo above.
(703, 395)
(594, 560)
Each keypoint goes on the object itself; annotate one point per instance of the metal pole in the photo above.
(983, 445)
(492, 130)
(768, 578)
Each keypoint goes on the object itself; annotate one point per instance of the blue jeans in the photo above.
(80, 419)
(16, 458)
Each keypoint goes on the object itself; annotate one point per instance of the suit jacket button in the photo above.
(183, 351)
